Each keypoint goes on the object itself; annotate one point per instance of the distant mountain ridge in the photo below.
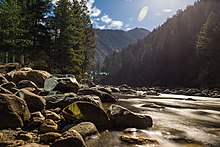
(109, 41)
(183, 52)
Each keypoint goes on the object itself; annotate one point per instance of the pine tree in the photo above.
(209, 50)
(89, 39)
(68, 34)
(36, 13)
(12, 30)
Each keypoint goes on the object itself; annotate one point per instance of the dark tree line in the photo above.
(57, 37)
(184, 51)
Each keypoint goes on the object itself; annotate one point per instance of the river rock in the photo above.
(151, 92)
(13, 111)
(51, 115)
(48, 126)
(63, 100)
(24, 136)
(3, 80)
(49, 137)
(85, 111)
(69, 139)
(132, 139)
(36, 76)
(104, 96)
(34, 102)
(9, 86)
(5, 91)
(64, 83)
(124, 118)
(26, 84)
(85, 129)
(36, 119)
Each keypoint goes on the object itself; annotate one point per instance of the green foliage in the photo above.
(57, 38)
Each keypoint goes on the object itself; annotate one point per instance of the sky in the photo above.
(129, 14)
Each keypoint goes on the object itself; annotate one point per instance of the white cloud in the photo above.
(101, 27)
(167, 10)
(128, 0)
(106, 19)
(95, 12)
(116, 24)
(90, 4)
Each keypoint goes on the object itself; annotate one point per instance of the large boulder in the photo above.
(36, 76)
(69, 139)
(85, 111)
(63, 100)
(104, 96)
(124, 118)
(34, 102)
(13, 111)
(64, 83)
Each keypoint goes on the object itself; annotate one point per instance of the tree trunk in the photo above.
(6, 57)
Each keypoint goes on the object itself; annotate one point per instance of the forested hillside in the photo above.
(38, 33)
(109, 41)
(184, 51)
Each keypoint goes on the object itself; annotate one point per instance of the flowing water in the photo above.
(179, 120)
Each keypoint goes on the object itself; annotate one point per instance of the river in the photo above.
(185, 121)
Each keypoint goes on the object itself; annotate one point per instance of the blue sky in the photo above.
(127, 14)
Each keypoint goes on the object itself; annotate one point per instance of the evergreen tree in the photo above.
(89, 39)
(12, 30)
(209, 50)
(36, 15)
(68, 45)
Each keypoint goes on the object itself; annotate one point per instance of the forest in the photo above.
(58, 37)
(183, 52)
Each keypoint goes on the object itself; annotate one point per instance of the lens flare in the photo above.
(143, 13)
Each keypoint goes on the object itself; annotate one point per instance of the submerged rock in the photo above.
(13, 111)
(124, 118)
(138, 139)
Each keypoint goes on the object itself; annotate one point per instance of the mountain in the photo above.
(183, 52)
(109, 41)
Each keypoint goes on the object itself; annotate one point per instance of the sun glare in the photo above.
(143, 13)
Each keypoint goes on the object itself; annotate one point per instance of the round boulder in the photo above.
(69, 139)
(64, 83)
(85, 111)
(124, 118)
(13, 111)
(34, 102)
(85, 129)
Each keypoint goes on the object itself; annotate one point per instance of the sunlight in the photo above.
(143, 13)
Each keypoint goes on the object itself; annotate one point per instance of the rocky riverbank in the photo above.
(40, 109)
